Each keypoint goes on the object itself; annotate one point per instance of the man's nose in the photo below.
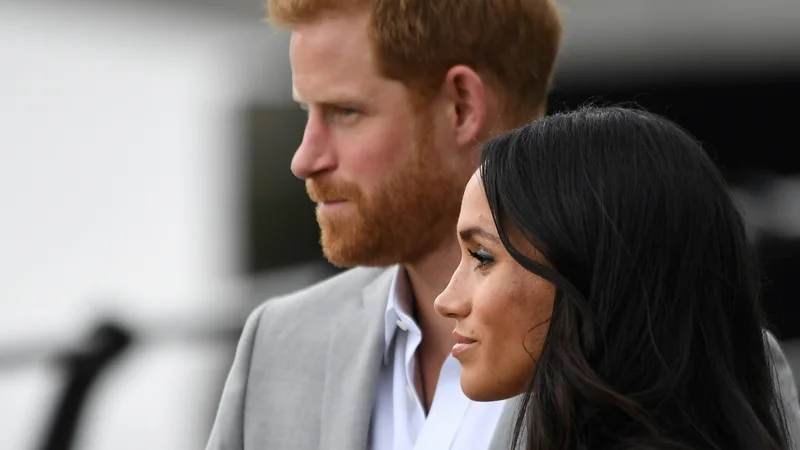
(315, 154)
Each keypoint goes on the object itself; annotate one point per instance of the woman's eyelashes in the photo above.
(483, 257)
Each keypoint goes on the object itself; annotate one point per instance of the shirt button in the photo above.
(410, 392)
(402, 325)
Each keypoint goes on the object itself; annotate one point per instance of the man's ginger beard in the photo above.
(407, 215)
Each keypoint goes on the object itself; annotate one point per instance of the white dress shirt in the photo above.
(398, 420)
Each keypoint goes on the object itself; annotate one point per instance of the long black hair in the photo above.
(657, 339)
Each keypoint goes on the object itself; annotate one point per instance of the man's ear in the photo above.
(466, 95)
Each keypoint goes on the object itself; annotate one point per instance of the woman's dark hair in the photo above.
(657, 339)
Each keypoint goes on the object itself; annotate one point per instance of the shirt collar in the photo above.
(398, 310)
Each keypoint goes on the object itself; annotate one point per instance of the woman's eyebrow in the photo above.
(467, 234)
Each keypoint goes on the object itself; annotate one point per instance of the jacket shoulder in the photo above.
(318, 305)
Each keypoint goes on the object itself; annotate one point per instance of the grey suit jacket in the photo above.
(306, 367)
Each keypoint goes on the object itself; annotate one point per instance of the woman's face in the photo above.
(502, 310)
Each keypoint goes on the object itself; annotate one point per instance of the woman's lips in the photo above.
(462, 344)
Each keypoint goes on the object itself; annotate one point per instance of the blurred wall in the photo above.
(119, 165)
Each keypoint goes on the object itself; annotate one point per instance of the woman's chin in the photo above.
(485, 389)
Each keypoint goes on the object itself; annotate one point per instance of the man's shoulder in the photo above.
(326, 299)
(308, 318)
(331, 292)
(289, 343)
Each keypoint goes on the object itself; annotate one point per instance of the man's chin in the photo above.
(349, 261)
(354, 254)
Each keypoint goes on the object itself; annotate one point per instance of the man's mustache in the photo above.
(326, 190)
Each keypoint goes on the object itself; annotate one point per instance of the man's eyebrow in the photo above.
(344, 96)
(469, 233)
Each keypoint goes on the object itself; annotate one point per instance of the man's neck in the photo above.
(428, 277)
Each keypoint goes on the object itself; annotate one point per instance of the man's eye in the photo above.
(341, 114)
(347, 112)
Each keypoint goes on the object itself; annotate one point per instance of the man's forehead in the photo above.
(331, 40)
(331, 75)
(358, 86)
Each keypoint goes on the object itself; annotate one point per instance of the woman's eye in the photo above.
(483, 257)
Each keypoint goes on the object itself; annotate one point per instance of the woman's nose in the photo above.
(453, 302)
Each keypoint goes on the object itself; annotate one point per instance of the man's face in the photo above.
(382, 171)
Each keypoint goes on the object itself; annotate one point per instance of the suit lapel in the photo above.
(353, 364)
